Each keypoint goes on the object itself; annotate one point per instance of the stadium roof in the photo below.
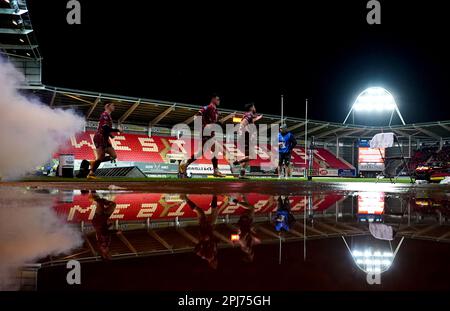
(16, 32)
(152, 113)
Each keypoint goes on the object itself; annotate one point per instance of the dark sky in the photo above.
(185, 50)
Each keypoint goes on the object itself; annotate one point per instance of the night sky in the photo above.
(184, 51)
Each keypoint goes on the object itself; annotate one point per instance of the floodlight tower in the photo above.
(375, 99)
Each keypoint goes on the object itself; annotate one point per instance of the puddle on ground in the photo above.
(321, 240)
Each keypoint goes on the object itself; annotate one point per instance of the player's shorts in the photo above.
(284, 158)
(101, 142)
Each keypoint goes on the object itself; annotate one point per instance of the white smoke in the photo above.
(30, 132)
(29, 230)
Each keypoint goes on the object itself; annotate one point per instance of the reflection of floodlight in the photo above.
(375, 99)
(372, 261)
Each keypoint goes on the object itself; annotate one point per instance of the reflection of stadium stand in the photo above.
(141, 240)
(426, 219)
(423, 219)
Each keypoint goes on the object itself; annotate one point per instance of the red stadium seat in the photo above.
(142, 148)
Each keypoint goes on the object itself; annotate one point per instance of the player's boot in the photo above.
(91, 176)
(242, 174)
(217, 173)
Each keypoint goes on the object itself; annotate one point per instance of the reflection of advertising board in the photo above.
(370, 159)
(371, 206)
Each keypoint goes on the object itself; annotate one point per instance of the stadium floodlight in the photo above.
(375, 99)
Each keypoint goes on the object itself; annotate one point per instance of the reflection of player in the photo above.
(206, 247)
(102, 141)
(209, 115)
(247, 234)
(284, 219)
(286, 142)
(250, 117)
(104, 209)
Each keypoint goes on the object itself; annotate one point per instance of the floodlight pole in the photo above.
(304, 228)
(390, 120)
(399, 114)
(282, 109)
(306, 132)
(348, 115)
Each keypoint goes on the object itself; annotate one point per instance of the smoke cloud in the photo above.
(29, 230)
(30, 132)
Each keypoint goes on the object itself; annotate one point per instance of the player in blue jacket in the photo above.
(286, 142)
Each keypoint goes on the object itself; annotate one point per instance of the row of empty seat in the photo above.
(157, 149)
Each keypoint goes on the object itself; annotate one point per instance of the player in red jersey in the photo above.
(100, 222)
(102, 140)
(250, 117)
(210, 115)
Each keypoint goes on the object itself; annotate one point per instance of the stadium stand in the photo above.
(430, 153)
(135, 149)
(444, 154)
(147, 115)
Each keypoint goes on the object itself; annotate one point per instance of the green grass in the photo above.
(173, 179)
(347, 179)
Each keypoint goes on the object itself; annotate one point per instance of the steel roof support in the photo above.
(129, 112)
(162, 115)
(293, 127)
(427, 132)
(94, 105)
